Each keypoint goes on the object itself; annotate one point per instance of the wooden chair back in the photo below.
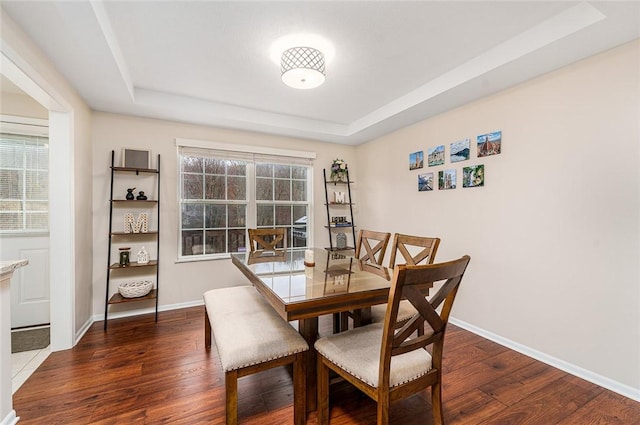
(368, 253)
(267, 239)
(405, 243)
(412, 372)
(408, 283)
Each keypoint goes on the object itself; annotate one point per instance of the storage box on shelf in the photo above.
(134, 229)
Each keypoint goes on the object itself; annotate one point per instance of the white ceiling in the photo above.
(395, 63)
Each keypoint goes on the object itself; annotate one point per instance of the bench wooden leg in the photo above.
(231, 397)
(299, 390)
(323, 394)
(207, 329)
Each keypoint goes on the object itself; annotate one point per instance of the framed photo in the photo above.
(489, 144)
(435, 156)
(460, 150)
(447, 179)
(425, 182)
(473, 176)
(136, 158)
(416, 160)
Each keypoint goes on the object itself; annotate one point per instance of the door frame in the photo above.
(61, 161)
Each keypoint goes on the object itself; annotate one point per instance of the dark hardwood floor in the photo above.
(140, 372)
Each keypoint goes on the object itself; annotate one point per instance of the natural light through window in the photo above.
(223, 193)
(24, 183)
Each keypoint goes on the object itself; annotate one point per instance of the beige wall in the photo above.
(22, 105)
(70, 183)
(181, 283)
(554, 234)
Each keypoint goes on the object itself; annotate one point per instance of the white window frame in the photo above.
(252, 154)
(26, 126)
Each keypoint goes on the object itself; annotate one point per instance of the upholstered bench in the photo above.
(252, 337)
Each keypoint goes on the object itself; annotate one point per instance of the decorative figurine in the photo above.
(130, 195)
(143, 256)
(141, 196)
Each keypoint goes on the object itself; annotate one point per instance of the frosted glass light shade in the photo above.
(302, 67)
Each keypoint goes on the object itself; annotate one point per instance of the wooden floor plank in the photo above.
(549, 405)
(142, 372)
(515, 386)
(607, 408)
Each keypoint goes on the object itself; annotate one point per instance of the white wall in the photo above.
(554, 234)
(70, 180)
(180, 283)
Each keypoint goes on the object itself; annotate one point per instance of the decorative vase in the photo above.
(130, 196)
(341, 241)
(124, 256)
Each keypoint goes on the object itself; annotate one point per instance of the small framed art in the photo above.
(425, 182)
(136, 158)
(416, 160)
(435, 156)
(460, 150)
(473, 176)
(489, 144)
(447, 179)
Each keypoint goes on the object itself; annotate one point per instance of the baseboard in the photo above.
(602, 381)
(150, 310)
(10, 419)
(85, 327)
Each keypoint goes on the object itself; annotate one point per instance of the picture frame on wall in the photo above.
(136, 158)
(416, 160)
(425, 182)
(435, 156)
(447, 179)
(459, 151)
(489, 144)
(473, 176)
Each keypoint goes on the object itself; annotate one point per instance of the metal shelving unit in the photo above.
(346, 207)
(116, 236)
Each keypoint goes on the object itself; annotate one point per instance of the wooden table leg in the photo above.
(337, 327)
(361, 317)
(308, 328)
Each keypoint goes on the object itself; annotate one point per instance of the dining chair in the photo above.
(414, 250)
(266, 239)
(364, 249)
(389, 362)
(425, 253)
(370, 248)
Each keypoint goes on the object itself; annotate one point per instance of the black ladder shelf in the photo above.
(334, 206)
(116, 298)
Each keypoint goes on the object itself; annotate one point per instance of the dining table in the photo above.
(333, 282)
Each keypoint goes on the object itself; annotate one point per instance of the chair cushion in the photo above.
(247, 329)
(357, 351)
(405, 312)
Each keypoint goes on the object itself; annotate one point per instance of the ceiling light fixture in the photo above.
(302, 67)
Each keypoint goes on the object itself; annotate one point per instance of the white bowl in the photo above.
(135, 289)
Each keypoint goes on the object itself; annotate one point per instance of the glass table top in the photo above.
(334, 274)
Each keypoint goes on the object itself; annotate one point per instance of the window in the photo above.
(224, 192)
(24, 183)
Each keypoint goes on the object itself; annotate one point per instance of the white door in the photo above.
(29, 285)
(24, 197)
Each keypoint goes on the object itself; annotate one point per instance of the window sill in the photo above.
(198, 258)
(23, 233)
